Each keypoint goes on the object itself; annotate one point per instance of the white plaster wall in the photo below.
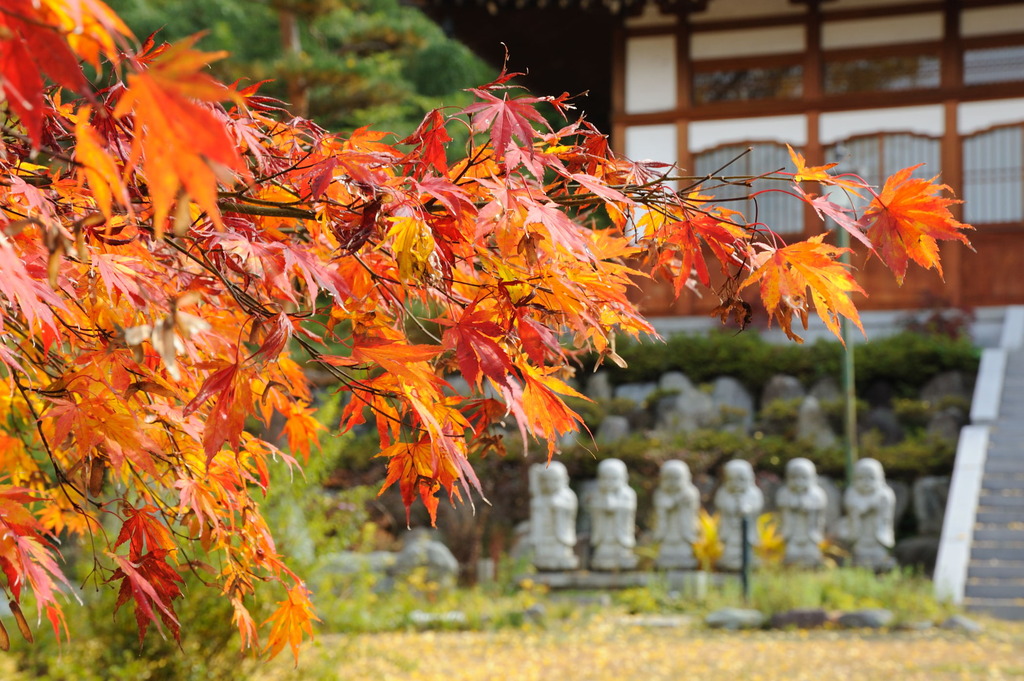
(651, 16)
(743, 9)
(650, 74)
(992, 20)
(787, 129)
(839, 5)
(652, 143)
(750, 42)
(898, 30)
(924, 120)
(975, 116)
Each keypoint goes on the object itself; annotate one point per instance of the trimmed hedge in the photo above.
(907, 360)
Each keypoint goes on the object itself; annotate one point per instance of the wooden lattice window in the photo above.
(775, 209)
(994, 176)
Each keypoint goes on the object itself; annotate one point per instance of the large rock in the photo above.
(879, 394)
(902, 492)
(917, 552)
(782, 387)
(945, 424)
(872, 618)
(356, 562)
(826, 389)
(422, 549)
(812, 425)
(599, 386)
(929, 496)
(637, 393)
(834, 503)
(685, 411)
(962, 623)
(733, 403)
(948, 384)
(885, 421)
(675, 381)
(734, 618)
(612, 429)
(801, 618)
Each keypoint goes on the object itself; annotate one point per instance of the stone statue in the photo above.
(801, 504)
(870, 514)
(553, 509)
(613, 519)
(676, 503)
(737, 497)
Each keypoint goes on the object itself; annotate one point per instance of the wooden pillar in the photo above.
(812, 82)
(618, 89)
(684, 91)
(952, 144)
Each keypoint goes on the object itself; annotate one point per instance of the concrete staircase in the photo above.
(995, 573)
(981, 552)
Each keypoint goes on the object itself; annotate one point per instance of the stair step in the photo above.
(1014, 501)
(1008, 482)
(998, 534)
(995, 608)
(1004, 590)
(1011, 466)
(999, 517)
(1005, 448)
(996, 570)
(997, 551)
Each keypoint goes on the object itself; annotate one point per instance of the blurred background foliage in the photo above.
(341, 63)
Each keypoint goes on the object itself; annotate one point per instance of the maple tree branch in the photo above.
(58, 472)
(266, 209)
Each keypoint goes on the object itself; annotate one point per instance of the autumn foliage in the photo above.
(176, 255)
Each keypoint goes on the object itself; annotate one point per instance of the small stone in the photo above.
(426, 619)
(961, 623)
(659, 621)
(872, 618)
(801, 618)
(734, 618)
(535, 613)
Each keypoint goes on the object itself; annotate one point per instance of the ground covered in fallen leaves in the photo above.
(623, 649)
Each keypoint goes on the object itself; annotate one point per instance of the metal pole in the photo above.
(849, 388)
(745, 564)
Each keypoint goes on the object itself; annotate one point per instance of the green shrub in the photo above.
(106, 647)
(906, 359)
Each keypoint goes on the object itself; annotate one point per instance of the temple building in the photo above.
(876, 85)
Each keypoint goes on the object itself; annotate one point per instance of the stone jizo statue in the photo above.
(676, 504)
(553, 508)
(801, 504)
(737, 497)
(613, 519)
(870, 515)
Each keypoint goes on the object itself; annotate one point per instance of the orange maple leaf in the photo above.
(180, 139)
(821, 174)
(292, 619)
(908, 218)
(786, 274)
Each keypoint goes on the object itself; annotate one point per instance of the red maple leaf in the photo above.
(908, 218)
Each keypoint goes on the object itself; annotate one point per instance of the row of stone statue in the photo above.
(867, 527)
